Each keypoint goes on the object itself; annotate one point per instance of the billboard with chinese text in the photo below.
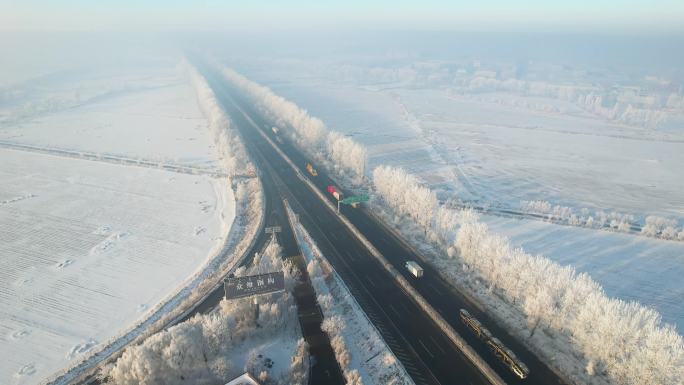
(239, 287)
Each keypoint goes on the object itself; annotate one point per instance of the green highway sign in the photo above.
(355, 199)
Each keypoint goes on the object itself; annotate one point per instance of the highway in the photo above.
(423, 348)
(426, 352)
(325, 369)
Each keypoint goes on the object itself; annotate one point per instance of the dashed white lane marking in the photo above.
(425, 347)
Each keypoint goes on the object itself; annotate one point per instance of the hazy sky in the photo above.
(619, 15)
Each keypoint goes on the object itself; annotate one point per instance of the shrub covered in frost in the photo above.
(308, 132)
(625, 341)
(207, 348)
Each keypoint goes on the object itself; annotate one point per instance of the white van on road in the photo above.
(414, 268)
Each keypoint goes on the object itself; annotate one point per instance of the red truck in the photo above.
(333, 191)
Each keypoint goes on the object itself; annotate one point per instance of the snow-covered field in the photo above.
(646, 270)
(524, 291)
(149, 114)
(216, 347)
(501, 154)
(509, 154)
(500, 149)
(90, 249)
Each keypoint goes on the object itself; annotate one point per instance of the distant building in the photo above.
(486, 74)
(245, 379)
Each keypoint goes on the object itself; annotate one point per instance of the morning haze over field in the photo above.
(395, 192)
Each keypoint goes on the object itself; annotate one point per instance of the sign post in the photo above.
(254, 285)
(273, 229)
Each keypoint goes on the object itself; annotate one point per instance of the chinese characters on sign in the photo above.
(240, 287)
(273, 229)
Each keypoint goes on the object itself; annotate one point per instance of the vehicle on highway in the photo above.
(475, 325)
(501, 352)
(311, 170)
(508, 357)
(333, 191)
(414, 268)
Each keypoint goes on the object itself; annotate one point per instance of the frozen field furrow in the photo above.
(498, 154)
(646, 270)
(104, 113)
(520, 154)
(91, 250)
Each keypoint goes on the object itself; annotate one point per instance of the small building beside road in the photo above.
(245, 379)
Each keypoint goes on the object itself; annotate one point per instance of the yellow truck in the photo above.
(311, 170)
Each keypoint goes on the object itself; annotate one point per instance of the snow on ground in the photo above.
(88, 248)
(150, 114)
(371, 117)
(74, 230)
(473, 148)
(513, 153)
(507, 153)
(247, 219)
(632, 268)
(530, 293)
(221, 345)
(362, 353)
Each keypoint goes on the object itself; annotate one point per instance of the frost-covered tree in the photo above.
(406, 195)
(230, 148)
(623, 341)
(659, 226)
(347, 153)
(654, 226)
(203, 350)
(308, 132)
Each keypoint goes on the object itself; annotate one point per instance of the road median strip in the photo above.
(460, 343)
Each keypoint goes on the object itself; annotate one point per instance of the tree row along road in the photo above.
(427, 354)
(326, 369)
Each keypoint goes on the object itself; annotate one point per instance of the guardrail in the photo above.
(462, 345)
(331, 268)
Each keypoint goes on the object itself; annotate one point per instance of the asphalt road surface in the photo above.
(325, 369)
(425, 351)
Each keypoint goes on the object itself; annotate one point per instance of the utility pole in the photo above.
(256, 311)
